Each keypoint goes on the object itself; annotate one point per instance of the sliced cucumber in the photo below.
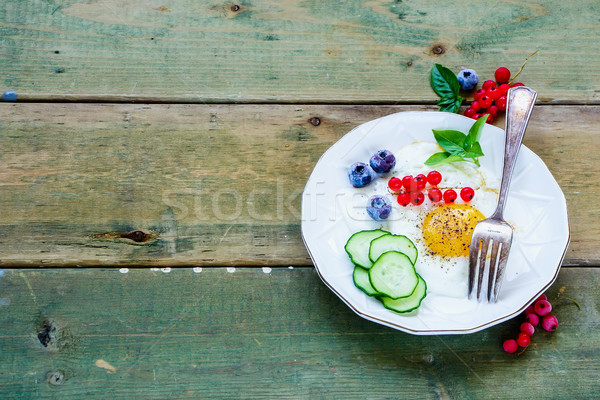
(386, 243)
(393, 275)
(361, 280)
(358, 245)
(406, 304)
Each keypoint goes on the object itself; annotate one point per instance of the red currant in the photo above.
(542, 307)
(529, 310)
(502, 75)
(493, 93)
(510, 346)
(395, 184)
(404, 199)
(503, 89)
(527, 328)
(501, 103)
(449, 196)
(489, 119)
(488, 84)
(523, 339)
(417, 198)
(434, 178)
(420, 181)
(476, 116)
(485, 101)
(517, 84)
(550, 323)
(542, 297)
(493, 110)
(435, 195)
(478, 94)
(475, 105)
(408, 182)
(469, 112)
(533, 319)
(467, 194)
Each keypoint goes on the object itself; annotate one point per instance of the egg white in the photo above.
(444, 275)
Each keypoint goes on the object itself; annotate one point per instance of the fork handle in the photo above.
(520, 101)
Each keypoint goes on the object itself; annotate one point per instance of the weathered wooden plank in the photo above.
(265, 334)
(211, 184)
(274, 51)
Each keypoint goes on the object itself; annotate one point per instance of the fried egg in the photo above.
(441, 232)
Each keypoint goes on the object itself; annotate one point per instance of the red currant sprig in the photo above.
(540, 309)
(491, 98)
(410, 190)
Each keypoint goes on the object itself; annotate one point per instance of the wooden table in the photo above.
(150, 181)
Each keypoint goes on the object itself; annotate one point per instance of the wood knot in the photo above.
(315, 121)
(47, 333)
(56, 378)
(438, 49)
(53, 336)
(137, 236)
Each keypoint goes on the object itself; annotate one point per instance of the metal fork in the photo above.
(494, 234)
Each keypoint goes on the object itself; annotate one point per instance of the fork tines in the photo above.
(489, 260)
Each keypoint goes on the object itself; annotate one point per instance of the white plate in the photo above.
(535, 202)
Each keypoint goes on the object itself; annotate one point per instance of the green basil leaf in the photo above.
(459, 101)
(437, 158)
(452, 106)
(453, 158)
(442, 158)
(444, 82)
(446, 85)
(456, 105)
(475, 150)
(448, 108)
(474, 155)
(450, 140)
(475, 160)
(475, 132)
(447, 100)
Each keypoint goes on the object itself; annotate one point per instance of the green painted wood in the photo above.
(289, 51)
(276, 333)
(211, 184)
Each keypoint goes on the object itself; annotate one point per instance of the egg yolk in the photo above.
(447, 229)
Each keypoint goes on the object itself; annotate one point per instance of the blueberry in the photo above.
(379, 207)
(383, 161)
(468, 79)
(9, 95)
(360, 174)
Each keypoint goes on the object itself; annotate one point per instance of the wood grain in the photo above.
(254, 334)
(211, 184)
(286, 51)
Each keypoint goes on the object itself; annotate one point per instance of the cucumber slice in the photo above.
(393, 275)
(357, 246)
(387, 243)
(361, 281)
(406, 304)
